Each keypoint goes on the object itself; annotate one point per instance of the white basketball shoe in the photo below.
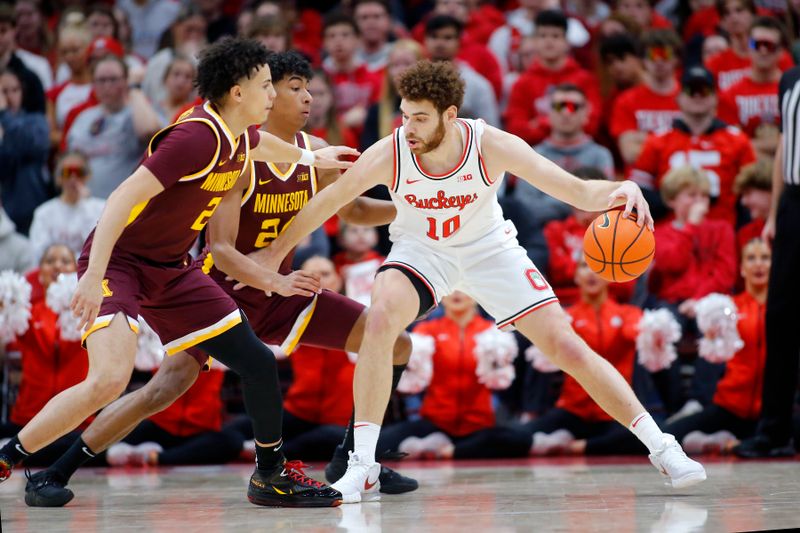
(360, 482)
(673, 463)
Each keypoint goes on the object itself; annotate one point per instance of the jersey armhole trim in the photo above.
(213, 161)
(252, 186)
(395, 161)
(481, 164)
(312, 170)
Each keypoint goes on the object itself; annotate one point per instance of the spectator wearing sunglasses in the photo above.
(68, 218)
(113, 133)
(569, 146)
(651, 105)
(732, 64)
(24, 146)
(752, 102)
(696, 139)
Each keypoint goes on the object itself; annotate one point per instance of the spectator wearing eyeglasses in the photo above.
(569, 146)
(113, 133)
(24, 147)
(752, 102)
(68, 218)
(697, 139)
(732, 64)
(652, 105)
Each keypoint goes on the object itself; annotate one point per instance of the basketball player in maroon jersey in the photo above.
(263, 206)
(136, 261)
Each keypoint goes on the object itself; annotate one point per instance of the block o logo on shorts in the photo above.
(536, 279)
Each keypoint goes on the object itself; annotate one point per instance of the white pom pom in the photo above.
(658, 333)
(717, 318)
(539, 361)
(418, 373)
(149, 350)
(15, 306)
(59, 296)
(495, 352)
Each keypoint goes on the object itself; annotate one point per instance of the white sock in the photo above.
(647, 431)
(365, 436)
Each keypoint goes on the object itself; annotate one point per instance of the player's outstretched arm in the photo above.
(223, 228)
(505, 152)
(362, 210)
(140, 187)
(271, 148)
(372, 168)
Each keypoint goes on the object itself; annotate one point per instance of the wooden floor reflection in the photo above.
(616, 495)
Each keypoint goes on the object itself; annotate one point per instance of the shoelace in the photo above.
(295, 471)
(47, 478)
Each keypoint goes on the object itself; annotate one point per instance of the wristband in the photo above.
(307, 158)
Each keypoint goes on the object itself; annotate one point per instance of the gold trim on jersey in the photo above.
(103, 322)
(233, 141)
(192, 339)
(211, 164)
(283, 176)
(252, 186)
(299, 327)
(312, 169)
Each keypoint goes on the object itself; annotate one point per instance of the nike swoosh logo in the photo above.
(222, 162)
(264, 182)
(368, 485)
(87, 452)
(284, 473)
(20, 450)
(279, 446)
(411, 182)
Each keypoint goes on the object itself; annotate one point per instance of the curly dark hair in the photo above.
(225, 63)
(286, 64)
(439, 82)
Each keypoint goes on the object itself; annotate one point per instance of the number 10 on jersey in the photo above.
(449, 227)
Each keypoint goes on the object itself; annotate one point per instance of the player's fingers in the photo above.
(628, 207)
(93, 312)
(612, 198)
(302, 292)
(306, 285)
(640, 212)
(228, 278)
(342, 164)
(239, 286)
(346, 150)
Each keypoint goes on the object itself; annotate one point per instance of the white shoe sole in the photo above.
(688, 480)
(360, 497)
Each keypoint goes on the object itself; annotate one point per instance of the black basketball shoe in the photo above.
(391, 482)
(289, 486)
(47, 489)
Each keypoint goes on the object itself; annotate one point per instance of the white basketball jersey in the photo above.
(449, 209)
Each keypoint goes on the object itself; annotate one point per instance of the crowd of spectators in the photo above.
(679, 96)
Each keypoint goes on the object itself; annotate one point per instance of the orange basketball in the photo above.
(616, 249)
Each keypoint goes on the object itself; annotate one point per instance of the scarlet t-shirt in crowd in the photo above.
(642, 109)
(721, 151)
(750, 104)
(728, 67)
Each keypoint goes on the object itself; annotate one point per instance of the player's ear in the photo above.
(235, 93)
(451, 113)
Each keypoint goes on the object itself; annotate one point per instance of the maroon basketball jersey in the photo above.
(271, 202)
(164, 228)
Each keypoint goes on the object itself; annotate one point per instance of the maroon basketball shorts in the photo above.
(324, 320)
(182, 304)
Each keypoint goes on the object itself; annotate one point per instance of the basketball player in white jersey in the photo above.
(443, 173)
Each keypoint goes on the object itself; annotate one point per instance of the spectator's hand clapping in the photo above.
(698, 211)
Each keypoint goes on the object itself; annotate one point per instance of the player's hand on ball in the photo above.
(328, 157)
(86, 300)
(299, 282)
(632, 195)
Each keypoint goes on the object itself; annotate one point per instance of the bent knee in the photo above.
(105, 389)
(569, 351)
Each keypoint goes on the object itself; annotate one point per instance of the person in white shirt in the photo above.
(70, 217)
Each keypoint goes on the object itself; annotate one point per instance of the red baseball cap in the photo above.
(105, 45)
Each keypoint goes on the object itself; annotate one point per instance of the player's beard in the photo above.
(434, 141)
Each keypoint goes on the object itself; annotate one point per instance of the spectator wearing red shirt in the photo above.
(374, 21)
(752, 102)
(529, 102)
(652, 105)
(731, 65)
(733, 412)
(50, 364)
(698, 139)
(642, 12)
(754, 186)
(695, 256)
(355, 88)
(621, 60)
(610, 329)
(457, 416)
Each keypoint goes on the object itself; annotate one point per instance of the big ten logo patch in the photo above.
(303, 176)
(241, 157)
(465, 177)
